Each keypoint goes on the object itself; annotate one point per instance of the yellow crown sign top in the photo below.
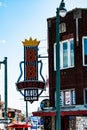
(31, 42)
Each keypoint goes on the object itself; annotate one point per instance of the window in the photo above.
(67, 54)
(85, 96)
(84, 40)
(54, 56)
(67, 97)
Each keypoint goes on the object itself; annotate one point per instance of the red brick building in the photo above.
(73, 65)
(73, 69)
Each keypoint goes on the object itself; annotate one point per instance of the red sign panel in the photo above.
(30, 84)
(30, 55)
(30, 72)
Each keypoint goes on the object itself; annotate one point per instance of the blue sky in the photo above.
(20, 20)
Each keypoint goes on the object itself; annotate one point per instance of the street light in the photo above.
(61, 11)
(5, 83)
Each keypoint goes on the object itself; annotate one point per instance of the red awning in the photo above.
(74, 113)
(19, 125)
(63, 113)
(44, 113)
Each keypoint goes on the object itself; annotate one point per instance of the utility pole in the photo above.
(5, 86)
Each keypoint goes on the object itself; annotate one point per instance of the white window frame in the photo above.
(72, 99)
(54, 56)
(61, 53)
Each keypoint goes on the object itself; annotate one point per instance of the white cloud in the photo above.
(1, 4)
(2, 41)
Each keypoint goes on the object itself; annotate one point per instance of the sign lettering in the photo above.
(30, 84)
(31, 94)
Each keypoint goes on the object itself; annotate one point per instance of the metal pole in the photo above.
(58, 120)
(5, 81)
(27, 109)
(5, 86)
(63, 11)
(26, 112)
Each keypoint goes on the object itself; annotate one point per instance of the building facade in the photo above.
(73, 68)
(73, 72)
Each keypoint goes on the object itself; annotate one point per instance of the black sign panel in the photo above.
(31, 94)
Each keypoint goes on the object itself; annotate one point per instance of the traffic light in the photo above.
(11, 114)
(2, 114)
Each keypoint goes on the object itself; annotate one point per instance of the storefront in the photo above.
(75, 120)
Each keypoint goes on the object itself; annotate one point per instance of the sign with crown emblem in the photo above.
(31, 84)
